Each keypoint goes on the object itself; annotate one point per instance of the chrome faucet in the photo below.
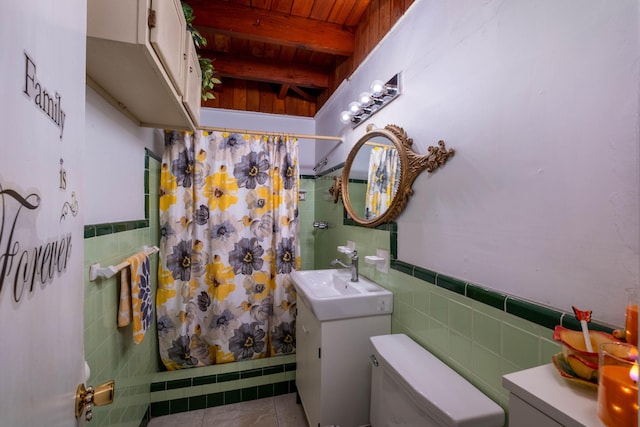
(353, 266)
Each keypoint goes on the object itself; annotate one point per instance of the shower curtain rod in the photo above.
(257, 132)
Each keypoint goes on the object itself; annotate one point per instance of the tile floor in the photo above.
(278, 411)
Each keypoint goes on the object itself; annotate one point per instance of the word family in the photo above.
(51, 105)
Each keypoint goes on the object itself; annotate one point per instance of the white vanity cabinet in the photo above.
(540, 397)
(140, 57)
(333, 375)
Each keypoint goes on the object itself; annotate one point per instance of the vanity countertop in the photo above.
(568, 403)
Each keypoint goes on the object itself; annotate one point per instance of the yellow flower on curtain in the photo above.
(169, 186)
(167, 179)
(277, 186)
(222, 357)
(167, 200)
(220, 278)
(166, 286)
(221, 190)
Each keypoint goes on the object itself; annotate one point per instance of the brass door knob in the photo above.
(101, 395)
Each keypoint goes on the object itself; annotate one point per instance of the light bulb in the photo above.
(377, 88)
(354, 107)
(364, 99)
(345, 117)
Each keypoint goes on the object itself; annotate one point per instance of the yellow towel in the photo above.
(135, 296)
(124, 307)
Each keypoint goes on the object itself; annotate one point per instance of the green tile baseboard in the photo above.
(209, 390)
(221, 377)
(210, 400)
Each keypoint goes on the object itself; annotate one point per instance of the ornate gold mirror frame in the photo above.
(411, 165)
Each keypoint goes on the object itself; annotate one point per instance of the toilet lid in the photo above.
(435, 387)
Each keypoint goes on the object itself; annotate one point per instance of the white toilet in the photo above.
(412, 387)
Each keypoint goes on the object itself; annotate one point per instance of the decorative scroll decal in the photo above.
(21, 267)
(71, 206)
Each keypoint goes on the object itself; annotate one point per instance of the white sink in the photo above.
(331, 295)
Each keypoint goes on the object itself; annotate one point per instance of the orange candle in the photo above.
(631, 324)
(617, 397)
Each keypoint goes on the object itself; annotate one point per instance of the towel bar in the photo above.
(96, 270)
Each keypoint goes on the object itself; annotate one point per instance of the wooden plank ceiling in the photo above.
(288, 56)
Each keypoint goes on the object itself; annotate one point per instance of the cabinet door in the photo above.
(308, 336)
(193, 81)
(167, 39)
(522, 414)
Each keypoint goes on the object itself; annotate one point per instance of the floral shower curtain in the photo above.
(383, 180)
(229, 237)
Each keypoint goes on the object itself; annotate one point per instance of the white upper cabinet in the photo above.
(138, 59)
(167, 36)
(192, 80)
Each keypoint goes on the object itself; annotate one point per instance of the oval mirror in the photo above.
(379, 172)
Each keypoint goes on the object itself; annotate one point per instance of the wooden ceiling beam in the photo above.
(304, 95)
(273, 27)
(268, 71)
(282, 94)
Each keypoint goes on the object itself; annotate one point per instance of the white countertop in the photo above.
(568, 403)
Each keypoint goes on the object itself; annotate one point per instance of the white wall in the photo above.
(268, 123)
(114, 152)
(42, 236)
(541, 102)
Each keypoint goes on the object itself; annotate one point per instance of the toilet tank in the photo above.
(412, 387)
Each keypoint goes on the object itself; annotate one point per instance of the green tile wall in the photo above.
(481, 333)
(306, 216)
(110, 350)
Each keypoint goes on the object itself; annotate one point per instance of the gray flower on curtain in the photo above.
(285, 255)
(182, 168)
(166, 231)
(232, 142)
(252, 170)
(283, 337)
(381, 177)
(246, 256)
(247, 340)
(165, 324)
(171, 137)
(222, 319)
(222, 231)
(262, 311)
(179, 261)
(204, 301)
(289, 173)
(180, 351)
(201, 215)
(262, 227)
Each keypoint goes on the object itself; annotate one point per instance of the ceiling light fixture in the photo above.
(368, 103)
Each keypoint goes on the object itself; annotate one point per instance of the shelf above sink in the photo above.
(331, 295)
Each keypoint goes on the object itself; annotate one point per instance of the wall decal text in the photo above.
(21, 267)
(42, 99)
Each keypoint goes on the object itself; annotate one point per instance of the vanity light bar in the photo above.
(368, 103)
